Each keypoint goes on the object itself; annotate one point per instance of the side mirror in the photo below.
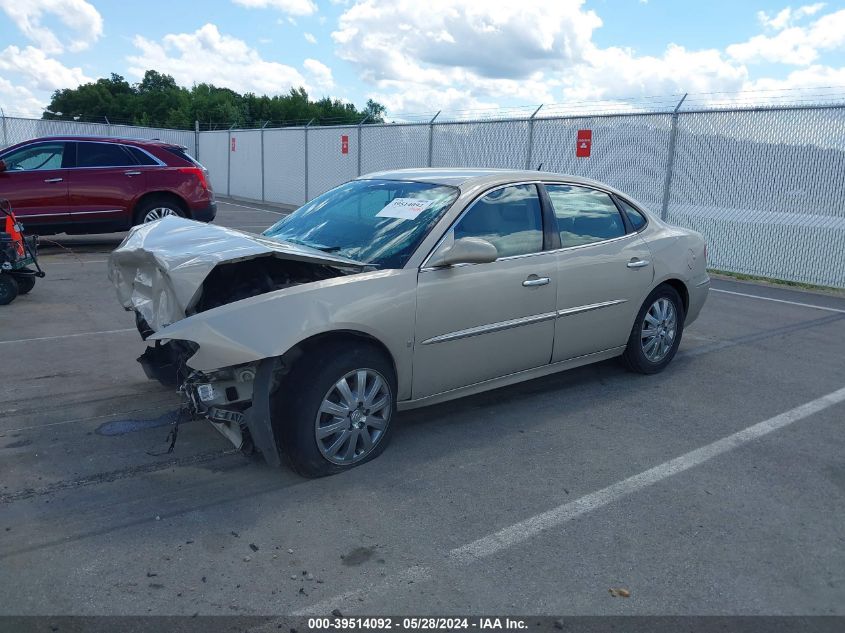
(466, 250)
(2, 165)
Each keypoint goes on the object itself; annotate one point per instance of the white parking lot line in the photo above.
(794, 303)
(524, 530)
(244, 206)
(61, 336)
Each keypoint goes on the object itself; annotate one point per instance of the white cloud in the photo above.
(40, 72)
(456, 54)
(491, 38)
(293, 7)
(83, 20)
(320, 74)
(619, 73)
(795, 45)
(788, 16)
(208, 56)
(309, 37)
(19, 100)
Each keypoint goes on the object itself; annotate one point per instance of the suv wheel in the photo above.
(334, 411)
(158, 208)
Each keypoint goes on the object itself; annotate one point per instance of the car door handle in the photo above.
(638, 263)
(535, 281)
(132, 173)
(53, 179)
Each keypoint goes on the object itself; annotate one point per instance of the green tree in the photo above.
(157, 100)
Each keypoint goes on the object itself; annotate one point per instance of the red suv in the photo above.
(75, 184)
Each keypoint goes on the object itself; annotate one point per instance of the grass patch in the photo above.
(776, 282)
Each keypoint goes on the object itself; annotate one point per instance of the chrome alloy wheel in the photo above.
(353, 416)
(660, 327)
(158, 213)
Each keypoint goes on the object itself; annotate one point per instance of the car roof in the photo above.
(106, 139)
(467, 177)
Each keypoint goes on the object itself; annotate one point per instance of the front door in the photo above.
(604, 272)
(476, 322)
(36, 185)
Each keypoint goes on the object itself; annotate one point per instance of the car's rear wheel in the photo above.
(657, 332)
(157, 208)
(8, 289)
(334, 411)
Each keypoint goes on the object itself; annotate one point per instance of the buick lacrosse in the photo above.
(402, 289)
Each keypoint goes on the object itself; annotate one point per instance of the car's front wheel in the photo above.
(656, 334)
(334, 410)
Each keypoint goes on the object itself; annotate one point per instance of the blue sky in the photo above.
(438, 54)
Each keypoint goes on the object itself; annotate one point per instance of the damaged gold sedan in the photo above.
(401, 289)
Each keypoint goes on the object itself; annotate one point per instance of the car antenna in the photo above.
(540, 166)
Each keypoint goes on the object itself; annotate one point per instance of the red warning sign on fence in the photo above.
(234, 143)
(344, 144)
(583, 143)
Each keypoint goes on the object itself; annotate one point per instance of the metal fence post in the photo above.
(5, 134)
(229, 161)
(531, 138)
(360, 125)
(262, 160)
(108, 125)
(197, 139)
(307, 125)
(670, 161)
(431, 137)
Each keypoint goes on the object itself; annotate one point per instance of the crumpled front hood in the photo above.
(159, 269)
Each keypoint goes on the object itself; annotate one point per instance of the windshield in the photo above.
(376, 222)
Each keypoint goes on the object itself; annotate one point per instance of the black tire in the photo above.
(295, 405)
(8, 289)
(634, 358)
(158, 201)
(25, 283)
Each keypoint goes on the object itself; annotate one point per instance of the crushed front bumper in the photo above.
(236, 401)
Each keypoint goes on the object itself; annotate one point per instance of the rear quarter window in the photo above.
(636, 218)
(140, 156)
(184, 155)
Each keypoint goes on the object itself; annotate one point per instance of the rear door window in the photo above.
(102, 155)
(584, 215)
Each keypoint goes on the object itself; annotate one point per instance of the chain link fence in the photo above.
(764, 185)
(15, 130)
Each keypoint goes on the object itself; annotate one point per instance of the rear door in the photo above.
(105, 183)
(604, 272)
(36, 184)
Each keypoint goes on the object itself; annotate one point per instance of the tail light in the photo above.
(199, 173)
(705, 253)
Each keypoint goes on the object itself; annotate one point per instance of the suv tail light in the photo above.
(200, 175)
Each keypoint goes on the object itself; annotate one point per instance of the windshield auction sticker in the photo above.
(404, 208)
